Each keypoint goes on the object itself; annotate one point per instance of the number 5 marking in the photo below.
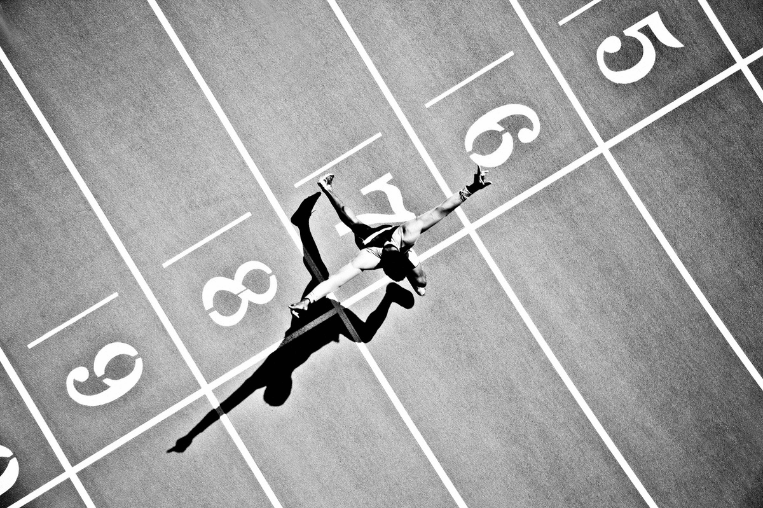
(612, 44)
(116, 387)
(237, 287)
(395, 199)
(489, 122)
(11, 473)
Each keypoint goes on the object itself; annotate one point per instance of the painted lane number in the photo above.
(395, 198)
(11, 473)
(612, 44)
(116, 387)
(490, 122)
(236, 286)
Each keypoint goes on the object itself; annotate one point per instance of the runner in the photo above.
(387, 246)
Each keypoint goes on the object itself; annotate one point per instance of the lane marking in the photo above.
(732, 49)
(469, 79)
(40, 490)
(578, 12)
(682, 100)
(72, 320)
(207, 239)
(637, 201)
(391, 100)
(14, 377)
(337, 160)
(138, 277)
(349, 302)
(385, 280)
(481, 247)
(4, 359)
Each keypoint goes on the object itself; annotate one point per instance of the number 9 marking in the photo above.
(116, 387)
(11, 473)
(612, 44)
(489, 122)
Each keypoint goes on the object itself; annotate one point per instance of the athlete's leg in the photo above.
(346, 215)
(365, 260)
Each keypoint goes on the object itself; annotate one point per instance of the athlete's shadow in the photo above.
(320, 326)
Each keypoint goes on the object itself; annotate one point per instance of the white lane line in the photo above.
(73, 320)
(388, 95)
(207, 239)
(6, 363)
(349, 302)
(40, 490)
(683, 99)
(136, 274)
(579, 12)
(699, 295)
(670, 107)
(226, 123)
(469, 79)
(338, 160)
(478, 242)
(11, 372)
(732, 49)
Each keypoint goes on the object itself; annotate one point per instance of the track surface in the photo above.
(591, 331)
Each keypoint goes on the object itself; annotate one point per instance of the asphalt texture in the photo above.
(559, 357)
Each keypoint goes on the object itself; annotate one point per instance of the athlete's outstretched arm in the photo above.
(428, 219)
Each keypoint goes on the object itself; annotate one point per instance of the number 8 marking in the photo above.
(237, 287)
(612, 44)
(11, 473)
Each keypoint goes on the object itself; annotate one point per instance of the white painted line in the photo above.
(579, 12)
(40, 490)
(732, 49)
(337, 160)
(226, 123)
(6, 363)
(537, 188)
(444, 186)
(11, 372)
(73, 320)
(637, 200)
(136, 274)
(683, 99)
(460, 213)
(207, 239)
(670, 107)
(469, 79)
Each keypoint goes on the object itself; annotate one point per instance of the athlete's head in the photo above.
(394, 263)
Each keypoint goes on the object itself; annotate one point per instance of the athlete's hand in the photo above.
(479, 180)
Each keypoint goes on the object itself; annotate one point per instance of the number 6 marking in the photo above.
(11, 473)
(395, 199)
(489, 122)
(612, 44)
(117, 387)
(237, 287)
